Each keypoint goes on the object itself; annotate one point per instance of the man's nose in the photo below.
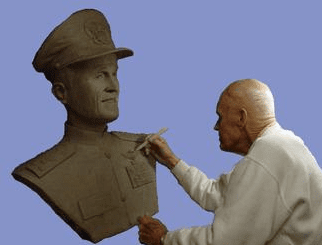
(216, 127)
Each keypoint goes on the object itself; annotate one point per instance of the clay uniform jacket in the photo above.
(272, 196)
(94, 181)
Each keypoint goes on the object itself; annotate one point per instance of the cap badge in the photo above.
(97, 32)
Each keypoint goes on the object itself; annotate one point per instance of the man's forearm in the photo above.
(206, 192)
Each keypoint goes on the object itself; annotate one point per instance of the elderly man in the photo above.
(272, 196)
(93, 179)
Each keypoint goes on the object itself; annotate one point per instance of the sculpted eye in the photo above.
(100, 75)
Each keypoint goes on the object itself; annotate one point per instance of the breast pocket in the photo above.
(140, 173)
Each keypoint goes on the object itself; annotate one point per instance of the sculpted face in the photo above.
(93, 92)
(227, 126)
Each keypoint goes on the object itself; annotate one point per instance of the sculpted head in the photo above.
(245, 108)
(80, 59)
(89, 90)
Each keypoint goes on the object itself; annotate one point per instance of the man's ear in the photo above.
(242, 117)
(60, 92)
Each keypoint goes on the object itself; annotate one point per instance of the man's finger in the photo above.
(146, 228)
(147, 224)
(145, 238)
(154, 225)
(152, 137)
(156, 155)
(156, 139)
(139, 219)
(144, 219)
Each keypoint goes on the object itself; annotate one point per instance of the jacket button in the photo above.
(108, 155)
(123, 198)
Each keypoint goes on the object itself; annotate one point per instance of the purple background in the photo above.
(185, 55)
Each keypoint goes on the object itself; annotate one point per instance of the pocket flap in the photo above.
(97, 204)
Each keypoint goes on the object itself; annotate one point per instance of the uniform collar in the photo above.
(78, 135)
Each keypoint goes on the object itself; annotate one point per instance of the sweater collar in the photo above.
(270, 130)
(266, 131)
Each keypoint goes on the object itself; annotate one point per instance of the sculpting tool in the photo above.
(161, 131)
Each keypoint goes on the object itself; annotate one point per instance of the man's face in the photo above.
(229, 132)
(93, 92)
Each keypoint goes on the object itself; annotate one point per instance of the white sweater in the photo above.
(272, 196)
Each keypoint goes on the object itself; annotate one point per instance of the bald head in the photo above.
(255, 98)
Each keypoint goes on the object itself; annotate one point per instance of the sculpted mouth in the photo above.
(110, 100)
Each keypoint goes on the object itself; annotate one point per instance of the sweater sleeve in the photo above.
(252, 209)
(208, 193)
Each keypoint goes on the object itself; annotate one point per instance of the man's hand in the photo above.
(159, 148)
(151, 230)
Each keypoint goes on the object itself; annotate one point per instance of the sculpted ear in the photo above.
(60, 92)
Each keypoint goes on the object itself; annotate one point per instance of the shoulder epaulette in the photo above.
(48, 160)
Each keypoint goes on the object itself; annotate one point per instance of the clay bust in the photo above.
(95, 180)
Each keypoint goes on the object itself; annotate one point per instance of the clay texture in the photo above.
(95, 180)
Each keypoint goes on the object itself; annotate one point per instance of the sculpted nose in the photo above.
(112, 84)
(116, 84)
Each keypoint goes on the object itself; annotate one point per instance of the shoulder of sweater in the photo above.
(277, 142)
(278, 152)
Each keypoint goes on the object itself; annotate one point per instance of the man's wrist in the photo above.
(173, 162)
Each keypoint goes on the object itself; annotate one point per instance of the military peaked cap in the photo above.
(84, 35)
